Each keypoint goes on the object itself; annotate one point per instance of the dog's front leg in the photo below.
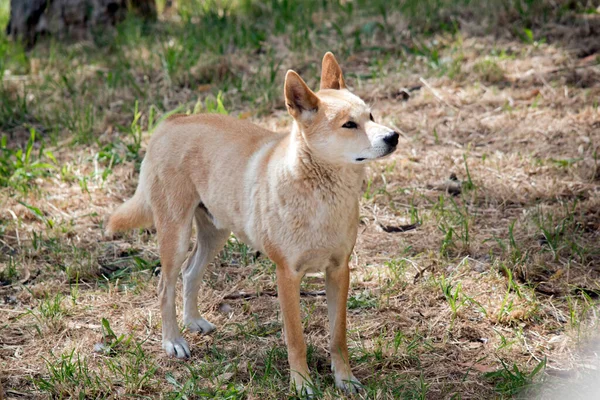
(337, 282)
(288, 292)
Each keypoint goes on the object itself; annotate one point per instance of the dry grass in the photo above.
(503, 267)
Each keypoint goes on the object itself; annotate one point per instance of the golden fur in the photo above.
(292, 196)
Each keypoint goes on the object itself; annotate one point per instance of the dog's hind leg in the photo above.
(173, 227)
(210, 241)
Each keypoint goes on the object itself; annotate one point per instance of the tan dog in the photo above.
(292, 196)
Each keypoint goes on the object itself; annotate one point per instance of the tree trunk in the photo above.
(30, 18)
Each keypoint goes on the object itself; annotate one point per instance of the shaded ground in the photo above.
(493, 292)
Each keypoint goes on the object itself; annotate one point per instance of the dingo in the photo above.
(291, 196)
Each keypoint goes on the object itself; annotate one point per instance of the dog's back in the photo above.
(195, 152)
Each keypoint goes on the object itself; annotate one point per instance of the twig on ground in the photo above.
(272, 293)
(420, 273)
(399, 228)
(529, 349)
(436, 94)
(12, 213)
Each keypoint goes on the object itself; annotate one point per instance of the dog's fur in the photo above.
(292, 196)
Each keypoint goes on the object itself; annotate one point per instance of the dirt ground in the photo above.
(496, 176)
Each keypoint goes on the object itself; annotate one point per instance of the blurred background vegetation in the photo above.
(241, 48)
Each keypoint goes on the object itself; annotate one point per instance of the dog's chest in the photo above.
(316, 228)
(312, 224)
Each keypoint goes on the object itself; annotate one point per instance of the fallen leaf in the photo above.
(204, 88)
(224, 377)
(484, 369)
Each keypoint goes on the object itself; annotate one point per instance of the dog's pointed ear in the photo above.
(331, 74)
(299, 99)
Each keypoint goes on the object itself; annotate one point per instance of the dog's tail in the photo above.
(134, 213)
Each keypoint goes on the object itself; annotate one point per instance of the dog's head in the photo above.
(335, 124)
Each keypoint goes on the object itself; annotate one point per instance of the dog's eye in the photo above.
(350, 125)
(371, 117)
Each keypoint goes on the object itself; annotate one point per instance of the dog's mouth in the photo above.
(380, 152)
(388, 151)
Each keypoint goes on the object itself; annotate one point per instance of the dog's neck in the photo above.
(317, 173)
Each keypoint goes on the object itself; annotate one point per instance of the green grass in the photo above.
(19, 167)
(455, 224)
(561, 234)
(168, 55)
(489, 71)
(362, 300)
(72, 375)
(512, 381)
(50, 308)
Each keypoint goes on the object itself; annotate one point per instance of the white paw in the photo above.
(348, 384)
(177, 347)
(301, 385)
(199, 325)
(304, 390)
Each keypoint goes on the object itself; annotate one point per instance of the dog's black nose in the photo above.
(391, 139)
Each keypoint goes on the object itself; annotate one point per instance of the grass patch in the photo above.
(511, 381)
(489, 71)
(19, 167)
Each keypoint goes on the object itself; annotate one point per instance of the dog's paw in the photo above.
(301, 385)
(176, 347)
(348, 384)
(303, 391)
(199, 325)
